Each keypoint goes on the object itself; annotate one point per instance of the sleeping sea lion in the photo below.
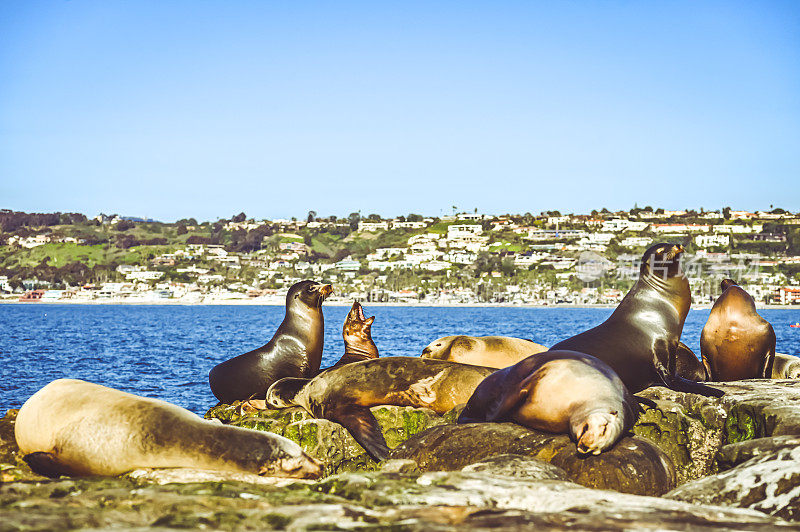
(490, 351)
(639, 340)
(357, 334)
(559, 392)
(786, 367)
(76, 428)
(345, 394)
(737, 343)
(294, 351)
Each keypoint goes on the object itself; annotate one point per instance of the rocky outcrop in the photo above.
(356, 501)
(633, 465)
(767, 482)
(736, 457)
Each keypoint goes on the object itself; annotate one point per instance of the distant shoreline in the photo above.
(340, 303)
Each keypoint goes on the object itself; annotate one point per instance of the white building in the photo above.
(373, 226)
(409, 225)
(461, 230)
(636, 241)
(144, 275)
(618, 225)
(705, 241)
(738, 229)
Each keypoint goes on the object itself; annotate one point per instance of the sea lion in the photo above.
(294, 351)
(559, 392)
(737, 343)
(77, 428)
(345, 394)
(786, 367)
(688, 365)
(639, 340)
(357, 335)
(490, 351)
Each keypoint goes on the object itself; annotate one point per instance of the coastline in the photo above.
(347, 303)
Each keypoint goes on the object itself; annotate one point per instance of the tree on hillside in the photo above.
(726, 213)
(312, 215)
(414, 217)
(239, 217)
(374, 217)
(354, 218)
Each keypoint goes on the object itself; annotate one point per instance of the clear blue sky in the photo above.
(172, 109)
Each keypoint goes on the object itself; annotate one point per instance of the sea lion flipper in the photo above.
(685, 385)
(362, 425)
(646, 402)
(509, 401)
(48, 465)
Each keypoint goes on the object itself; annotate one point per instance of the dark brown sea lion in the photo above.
(490, 351)
(357, 334)
(640, 339)
(77, 428)
(345, 394)
(294, 351)
(737, 343)
(786, 367)
(559, 392)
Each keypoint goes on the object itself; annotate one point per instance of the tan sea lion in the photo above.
(559, 392)
(76, 428)
(357, 335)
(345, 394)
(294, 351)
(640, 339)
(490, 351)
(786, 367)
(737, 343)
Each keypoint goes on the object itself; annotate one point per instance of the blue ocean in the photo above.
(166, 351)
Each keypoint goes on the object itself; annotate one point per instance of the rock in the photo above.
(399, 466)
(750, 409)
(326, 440)
(683, 436)
(539, 504)
(633, 465)
(769, 483)
(514, 465)
(12, 466)
(734, 454)
(193, 476)
(355, 501)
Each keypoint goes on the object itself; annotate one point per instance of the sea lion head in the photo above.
(597, 432)
(439, 349)
(727, 283)
(357, 329)
(287, 459)
(309, 293)
(663, 261)
(283, 392)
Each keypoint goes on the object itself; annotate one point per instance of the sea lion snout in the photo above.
(325, 290)
(598, 432)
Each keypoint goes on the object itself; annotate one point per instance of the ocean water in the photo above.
(166, 352)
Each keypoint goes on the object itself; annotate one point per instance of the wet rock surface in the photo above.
(768, 482)
(633, 465)
(356, 501)
(518, 466)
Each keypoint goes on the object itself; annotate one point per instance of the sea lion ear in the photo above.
(369, 320)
